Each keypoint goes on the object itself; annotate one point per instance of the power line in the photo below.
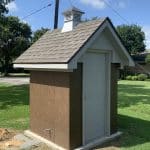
(36, 11)
(116, 12)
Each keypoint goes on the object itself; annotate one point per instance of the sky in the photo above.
(119, 11)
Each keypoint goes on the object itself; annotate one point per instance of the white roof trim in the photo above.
(73, 62)
(131, 62)
(43, 66)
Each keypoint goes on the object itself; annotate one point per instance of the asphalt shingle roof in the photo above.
(57, 47)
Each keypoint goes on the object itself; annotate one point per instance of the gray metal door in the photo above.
(94, 97)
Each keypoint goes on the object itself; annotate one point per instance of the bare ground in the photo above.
(7, 141)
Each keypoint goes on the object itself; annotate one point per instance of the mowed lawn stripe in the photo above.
(134, 114)
(14, 106)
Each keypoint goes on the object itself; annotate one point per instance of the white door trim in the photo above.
(108, 73)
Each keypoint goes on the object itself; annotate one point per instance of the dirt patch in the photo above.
(10, 144)
(7, 141)
(5, 134)
(42, 147)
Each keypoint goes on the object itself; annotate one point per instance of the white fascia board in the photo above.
(73, 62)
(131, 62)
(43, 66)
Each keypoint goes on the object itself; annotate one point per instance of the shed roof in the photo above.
(57, 47)
(61, 50)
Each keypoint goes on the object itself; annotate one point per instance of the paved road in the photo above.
(15, 80)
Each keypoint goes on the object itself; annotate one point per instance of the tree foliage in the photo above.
(147, 59)
(89, 19)
(3, 8)
(133, 38)
(37, 34)
(15, 37)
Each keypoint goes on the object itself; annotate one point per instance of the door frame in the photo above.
(107, 94)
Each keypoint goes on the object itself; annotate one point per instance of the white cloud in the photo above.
(12, 7)
(146, 29)
(24, 21)
(99, 4)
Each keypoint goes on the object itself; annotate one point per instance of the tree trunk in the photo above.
(6, 66)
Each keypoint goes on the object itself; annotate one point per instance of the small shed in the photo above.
(73, 83)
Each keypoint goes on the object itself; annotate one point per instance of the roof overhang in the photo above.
(106, 24)
(118, 39)
(72, 63)
(43, 66)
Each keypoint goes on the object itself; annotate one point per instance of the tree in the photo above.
(15, 37)
(133, 38)
(3, 8)
(37, 34)
(89, 19)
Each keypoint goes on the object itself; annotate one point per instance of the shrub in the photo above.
(128, 77)
(147, 79)
(134, 78)
(142, 77)
(147, 59)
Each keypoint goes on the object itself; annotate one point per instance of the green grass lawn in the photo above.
(14, 106)
(133, 119)
(134, 114)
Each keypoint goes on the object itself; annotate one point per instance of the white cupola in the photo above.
(72, 17)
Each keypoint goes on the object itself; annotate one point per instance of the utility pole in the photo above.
(56, 14)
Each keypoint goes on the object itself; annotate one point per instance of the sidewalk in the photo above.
(15, 80)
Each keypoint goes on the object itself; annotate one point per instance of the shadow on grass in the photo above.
(13, 96)
(135, 132)
(133, 94)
